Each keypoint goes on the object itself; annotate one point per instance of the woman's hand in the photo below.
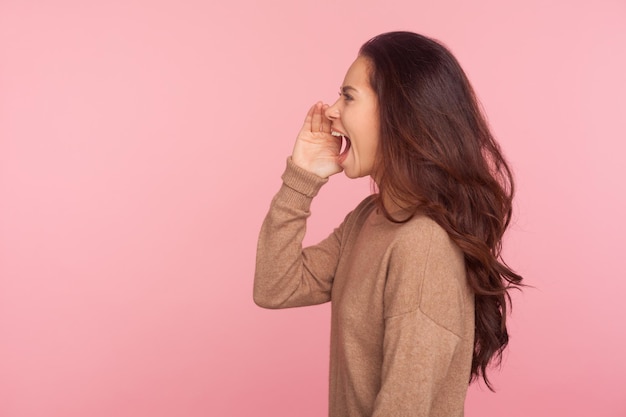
(316, 150)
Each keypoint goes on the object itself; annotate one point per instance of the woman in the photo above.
(418, 288)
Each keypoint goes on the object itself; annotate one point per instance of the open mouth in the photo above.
(345, 146)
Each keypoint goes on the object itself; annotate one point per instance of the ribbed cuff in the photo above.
(301, 180)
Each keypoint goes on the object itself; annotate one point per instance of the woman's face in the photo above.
(355, 117)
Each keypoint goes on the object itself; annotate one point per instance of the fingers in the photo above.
(308, 120)
(316, 124)
(316, 120)
(325, 120)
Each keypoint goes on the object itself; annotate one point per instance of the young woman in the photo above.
(419, 291)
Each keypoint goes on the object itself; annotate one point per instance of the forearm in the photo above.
(285, 276)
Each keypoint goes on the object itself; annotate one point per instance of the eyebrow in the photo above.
(347, 88)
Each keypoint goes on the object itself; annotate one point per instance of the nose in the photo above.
(333, 111)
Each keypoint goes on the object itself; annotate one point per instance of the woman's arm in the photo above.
(418, 354)
(286, 275)
(428, 337)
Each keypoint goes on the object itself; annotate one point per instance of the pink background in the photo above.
(141, 143)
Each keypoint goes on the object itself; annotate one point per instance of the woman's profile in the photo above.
(418, 288)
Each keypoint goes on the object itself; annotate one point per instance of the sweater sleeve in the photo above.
(413, 366)
(424, 297)
(286, 274)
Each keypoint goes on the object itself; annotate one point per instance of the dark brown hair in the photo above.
(437, 156)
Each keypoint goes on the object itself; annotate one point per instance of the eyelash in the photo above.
(346, 97)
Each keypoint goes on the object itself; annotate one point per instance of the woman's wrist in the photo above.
(302, 180)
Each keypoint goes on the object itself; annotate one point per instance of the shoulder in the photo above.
(423, 238)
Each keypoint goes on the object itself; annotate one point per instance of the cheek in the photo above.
(371, 147)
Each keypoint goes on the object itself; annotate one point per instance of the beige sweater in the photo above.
(402, 313)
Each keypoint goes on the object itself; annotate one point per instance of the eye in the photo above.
(346, 96)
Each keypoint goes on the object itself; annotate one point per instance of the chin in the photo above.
(356, 171)
(348, 173)
(353, 175)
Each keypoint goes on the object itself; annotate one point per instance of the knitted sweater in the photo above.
(402, 321)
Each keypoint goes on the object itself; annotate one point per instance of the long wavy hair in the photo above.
(438, 156)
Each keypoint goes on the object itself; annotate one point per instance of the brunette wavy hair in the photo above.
(438, 156)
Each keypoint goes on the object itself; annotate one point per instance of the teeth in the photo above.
(337, 134)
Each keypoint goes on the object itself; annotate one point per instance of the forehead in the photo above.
(358, 74)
